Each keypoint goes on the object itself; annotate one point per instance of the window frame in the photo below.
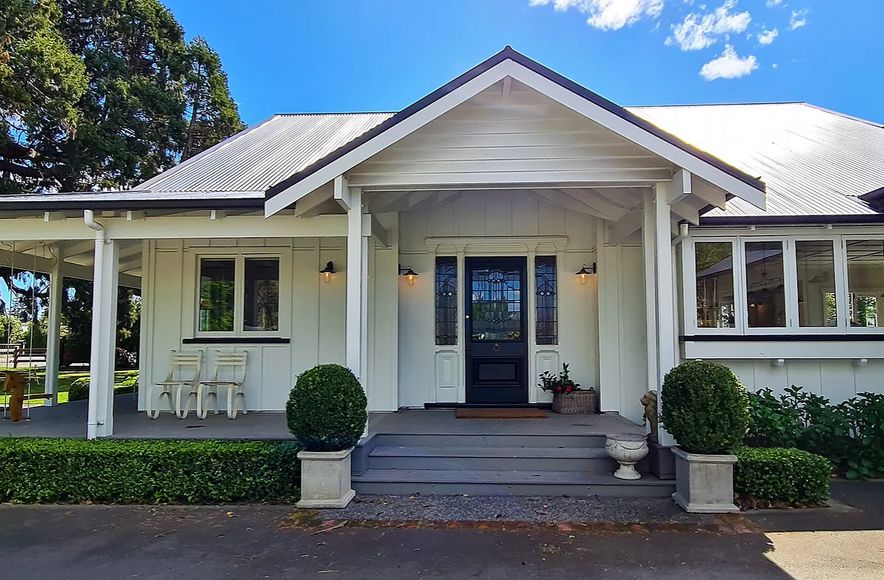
(790, 276)
(239, 290)
(844, 316)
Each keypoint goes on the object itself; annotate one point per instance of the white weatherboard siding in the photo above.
(311, 313)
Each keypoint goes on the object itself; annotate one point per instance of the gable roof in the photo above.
(649, 135)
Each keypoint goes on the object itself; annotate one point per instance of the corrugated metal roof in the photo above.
(814, 161)
(265, 154)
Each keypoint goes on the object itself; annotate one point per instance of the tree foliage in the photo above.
(103, 94)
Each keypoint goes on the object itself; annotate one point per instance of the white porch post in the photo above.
(649, 255)
(104, 334)
(53, 334)
(351, 199)
(666, 317)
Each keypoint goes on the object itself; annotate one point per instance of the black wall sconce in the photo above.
(585, 272)
(409, 275)
(328, 272)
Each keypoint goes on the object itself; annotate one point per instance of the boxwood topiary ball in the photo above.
(326, 409)
(79, 390)
(705, 407)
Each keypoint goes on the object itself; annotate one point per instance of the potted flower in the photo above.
(706, 409)
(326, 412)
(568, 397)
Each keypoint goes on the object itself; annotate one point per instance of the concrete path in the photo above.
(266, 542)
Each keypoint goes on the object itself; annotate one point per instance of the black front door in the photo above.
(496, 347)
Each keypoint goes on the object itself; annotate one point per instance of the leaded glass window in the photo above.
(547, 328)
(446, 300)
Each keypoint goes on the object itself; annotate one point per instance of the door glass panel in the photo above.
(865, 282)
(547, 331)
(816, 283)
(765, 284)
(446, 300)
(715, 284)
(496, 312)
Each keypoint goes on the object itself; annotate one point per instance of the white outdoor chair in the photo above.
(183, 378)
(229, 371)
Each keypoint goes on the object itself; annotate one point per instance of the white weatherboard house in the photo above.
(747, 234)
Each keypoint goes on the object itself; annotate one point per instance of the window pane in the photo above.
(446, 300)
(865, 279)
(816, 283)
(765, 286)
(261, 302)
(547, 312)
(216, 295)
(715, 284)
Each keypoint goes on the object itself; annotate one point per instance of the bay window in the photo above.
(801, 283)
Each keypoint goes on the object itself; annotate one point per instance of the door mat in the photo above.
(515, 413)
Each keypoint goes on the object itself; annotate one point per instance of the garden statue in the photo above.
(649, 402)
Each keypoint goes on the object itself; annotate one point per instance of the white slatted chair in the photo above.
(183, 379)
(230, 372)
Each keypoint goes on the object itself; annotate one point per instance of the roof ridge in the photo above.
(721, 104)
(324, 113)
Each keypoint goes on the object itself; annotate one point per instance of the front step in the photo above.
(494, 482)
(462, 440)
(576, 459)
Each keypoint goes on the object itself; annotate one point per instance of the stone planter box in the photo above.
(704, 484)
(576, 403)
(325, 479)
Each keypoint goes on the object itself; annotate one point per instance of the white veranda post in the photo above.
(659, 292)
(104, 333)
(357, 273)
(53, 333)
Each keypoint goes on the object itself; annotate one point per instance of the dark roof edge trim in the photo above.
(48, 205)
(509, 53)
(787, 220)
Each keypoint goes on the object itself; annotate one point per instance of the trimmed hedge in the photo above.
(781, 475)
(140, 471)
(705, 407)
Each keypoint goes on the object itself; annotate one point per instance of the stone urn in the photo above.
(627, 449)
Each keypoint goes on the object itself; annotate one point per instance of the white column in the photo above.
(355, 285)
(53, 334)
(104, 335)
(649, 254)
(666, 307)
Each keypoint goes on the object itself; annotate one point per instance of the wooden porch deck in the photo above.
(69, 420)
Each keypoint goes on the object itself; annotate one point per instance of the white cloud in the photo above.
(798, 19)
(608, 14)
(772, 3)
(768, 36)
(697, 31)
(729, 65)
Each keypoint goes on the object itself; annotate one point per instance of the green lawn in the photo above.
(65, 378)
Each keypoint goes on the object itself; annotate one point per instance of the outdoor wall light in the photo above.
(328, 272)
(585, 272)
(409, 274)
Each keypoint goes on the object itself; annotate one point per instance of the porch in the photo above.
(69, 420)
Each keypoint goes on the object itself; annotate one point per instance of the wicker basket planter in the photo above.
(576, 403)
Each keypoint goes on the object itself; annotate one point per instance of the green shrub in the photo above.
(705, 407)
(79, 390)
(850, 434)
(777, 475)
(326, 409)
(108, 471)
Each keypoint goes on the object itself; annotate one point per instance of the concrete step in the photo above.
(462, 440)
(591, 459)
(504, 482)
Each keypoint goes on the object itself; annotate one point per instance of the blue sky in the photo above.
(367, 55)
